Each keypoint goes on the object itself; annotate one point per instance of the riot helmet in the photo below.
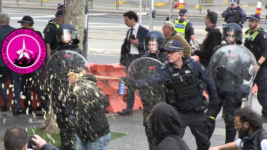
(67, 35)
(154, 41)
(232, 32)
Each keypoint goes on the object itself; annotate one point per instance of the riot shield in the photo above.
(57, 69)
(233, 68)
(62, 63)
(142, 69)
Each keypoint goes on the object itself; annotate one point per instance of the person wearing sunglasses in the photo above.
(185, 79)
(255, 41)
(228, 69)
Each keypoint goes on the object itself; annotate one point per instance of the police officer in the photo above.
(234, 14)
(36, 78)
(185, 78)
(255, 41)
(50, 33)
(65, 110)
(184, 27)
(230, 101)
(154, 43)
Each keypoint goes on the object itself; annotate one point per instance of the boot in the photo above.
(230, 134)
(126, 112)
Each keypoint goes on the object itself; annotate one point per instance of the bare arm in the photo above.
(228, 146)
(193, 37)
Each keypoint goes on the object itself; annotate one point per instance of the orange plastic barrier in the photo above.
(108, 79)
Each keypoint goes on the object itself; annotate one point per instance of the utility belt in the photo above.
(203, 105)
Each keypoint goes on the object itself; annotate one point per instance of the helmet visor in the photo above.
(68, 35)
(230, 36)
(153, 44)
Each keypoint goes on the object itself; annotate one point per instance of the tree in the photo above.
(74, 15)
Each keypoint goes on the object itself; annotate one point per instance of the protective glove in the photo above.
(214, 103)
(210, 123)
(128, 81)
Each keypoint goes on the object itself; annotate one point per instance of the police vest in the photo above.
(234, 17)
(180, 27)
(53, 23)
(185, 84)
(250, 44)
(253, 142)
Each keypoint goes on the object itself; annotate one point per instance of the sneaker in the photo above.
(126, 112)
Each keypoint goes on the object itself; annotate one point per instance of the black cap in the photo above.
(182, 12)
(59, 13)
(60, 5)
(26, 19)
(255, 17)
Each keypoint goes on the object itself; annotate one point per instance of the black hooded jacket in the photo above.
(166, 128)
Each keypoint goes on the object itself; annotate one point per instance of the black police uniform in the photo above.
(187, 87)
(150, 100)
(65, 111)
(236, 15)
(256, 43)
(154, 93)
(230, 101)
(63, 99)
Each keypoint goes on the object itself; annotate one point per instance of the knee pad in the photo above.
(229, 120)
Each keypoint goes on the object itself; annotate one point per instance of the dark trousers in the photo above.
(150, 138)
(15, 80)
(37, 80)
(262, 95)
(197, 122)
(229, 104)
(130, 93)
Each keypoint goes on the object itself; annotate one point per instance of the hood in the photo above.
(165, 122)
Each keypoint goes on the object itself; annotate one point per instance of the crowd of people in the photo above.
(171, 84)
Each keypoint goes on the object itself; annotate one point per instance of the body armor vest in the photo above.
(254, 48)
(180, 27)
(185, 84)
(234, 17)
(253, 142)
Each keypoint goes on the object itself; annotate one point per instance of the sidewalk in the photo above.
(133, 125)
(109, 7)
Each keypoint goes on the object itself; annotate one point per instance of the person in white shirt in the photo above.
(132, 49)
(251, 135)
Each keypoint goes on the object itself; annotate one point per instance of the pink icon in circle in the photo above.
(23, 51)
